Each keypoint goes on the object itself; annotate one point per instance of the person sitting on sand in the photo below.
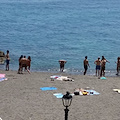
(103, 63)
(97, 62)
(86, 64)
(118, 65)
(62, 63)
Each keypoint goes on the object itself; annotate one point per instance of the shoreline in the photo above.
(90, 72)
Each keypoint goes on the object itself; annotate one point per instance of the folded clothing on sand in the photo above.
(116, 90)
(62, 78)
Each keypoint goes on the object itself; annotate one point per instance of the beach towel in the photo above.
(48, 88)
(116, 90)
(103, 78)
(58, 95)
(62, 78)
(81, 91)
(2, 79)
(2, 75)
(92, 92)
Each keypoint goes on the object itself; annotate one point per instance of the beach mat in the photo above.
(81, 91)
(93, 92)
(48, 88)
(58, 95)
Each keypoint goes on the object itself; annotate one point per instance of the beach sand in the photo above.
(22, 99)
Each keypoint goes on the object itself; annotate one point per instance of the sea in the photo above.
(50, 30)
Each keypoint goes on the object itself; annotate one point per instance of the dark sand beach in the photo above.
(22, 99)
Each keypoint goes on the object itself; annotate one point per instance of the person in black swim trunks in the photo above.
(7, 60)
(86, 64)
(62, 64)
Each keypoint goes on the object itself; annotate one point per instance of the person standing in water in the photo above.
(118, 65)
(103, 63)
(7, 60)
(62, 64)
(97, 62)
(86, 64)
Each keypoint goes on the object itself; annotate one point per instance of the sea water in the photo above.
(50, 30)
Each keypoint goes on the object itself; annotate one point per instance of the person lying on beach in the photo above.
(103, 63)
(62, 64)
(25, 63)
(118, 65)
(98, 63)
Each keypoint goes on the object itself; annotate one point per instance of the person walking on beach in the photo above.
(97, 62)
(118, 65)
(86, 64)
(7, 60)
(62, 64)
(103, 63)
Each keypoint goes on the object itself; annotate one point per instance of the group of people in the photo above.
(24, 63)
(100, 64)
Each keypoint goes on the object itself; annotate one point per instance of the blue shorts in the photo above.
(7, 62)
(97, 67)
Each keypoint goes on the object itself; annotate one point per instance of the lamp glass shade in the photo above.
(67, 99)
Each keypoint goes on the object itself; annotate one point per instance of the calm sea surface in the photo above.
(49, 30)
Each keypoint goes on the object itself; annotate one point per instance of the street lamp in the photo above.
(67, 100)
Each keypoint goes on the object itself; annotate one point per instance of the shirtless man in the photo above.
(24, 62)
(103, 63)
(7, 60)
(86, 64)
(62, 64)
(97, 62)
(118, 65)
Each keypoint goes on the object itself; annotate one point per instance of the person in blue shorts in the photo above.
(97, 62)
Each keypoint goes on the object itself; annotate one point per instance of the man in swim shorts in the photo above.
(118, 65)
(103, 63)
(86, 64)
(97, 62)
(62, 63)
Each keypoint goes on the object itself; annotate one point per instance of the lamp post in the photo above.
(67, 100)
